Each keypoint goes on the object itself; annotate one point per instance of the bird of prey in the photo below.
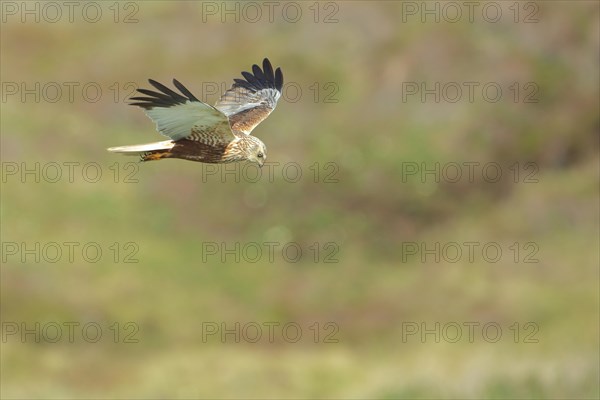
(201, 132)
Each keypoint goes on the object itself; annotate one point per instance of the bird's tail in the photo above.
(146, 152)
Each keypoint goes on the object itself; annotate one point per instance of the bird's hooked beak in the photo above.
(261, 162)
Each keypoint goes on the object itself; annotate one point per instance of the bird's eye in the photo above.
(260, 155)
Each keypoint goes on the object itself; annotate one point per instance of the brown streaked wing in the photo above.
(245, 121)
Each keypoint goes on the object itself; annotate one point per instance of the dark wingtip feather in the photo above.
(152, 93)
(267, 68)
(278, 79)
(184, 90)
(252, 79)
(261, 79)
(258, 73)
(140, 104)
(166, 90)
(165, 97)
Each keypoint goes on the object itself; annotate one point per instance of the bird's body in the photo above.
(203, 133)
(197, 150)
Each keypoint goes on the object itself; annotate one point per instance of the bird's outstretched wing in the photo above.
(180, 116)
(251, 100)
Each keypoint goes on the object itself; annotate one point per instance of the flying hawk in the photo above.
(200, 132)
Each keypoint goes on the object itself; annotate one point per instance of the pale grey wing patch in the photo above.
(178, 121)
(238, 99)
(177, 114)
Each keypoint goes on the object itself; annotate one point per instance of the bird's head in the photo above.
(257, 152)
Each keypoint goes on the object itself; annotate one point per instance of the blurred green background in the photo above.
(351, 62)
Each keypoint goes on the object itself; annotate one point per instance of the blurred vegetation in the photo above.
(371, 134)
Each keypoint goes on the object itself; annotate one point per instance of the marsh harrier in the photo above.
(201, 132)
